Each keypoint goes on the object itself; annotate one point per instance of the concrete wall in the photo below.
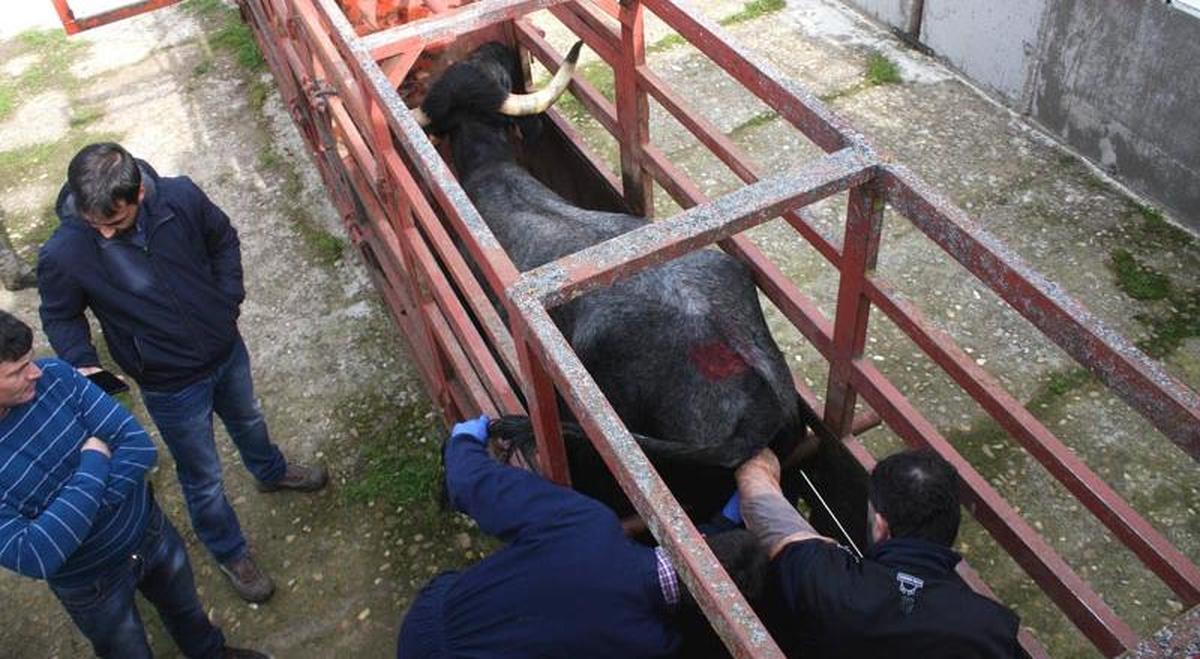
(890, 12)
(995, 43)
(1115, 79)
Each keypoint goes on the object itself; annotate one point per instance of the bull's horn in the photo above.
(422, 119)
(519, 105)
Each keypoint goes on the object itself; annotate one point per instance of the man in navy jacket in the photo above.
(160, 267)
(568, 583)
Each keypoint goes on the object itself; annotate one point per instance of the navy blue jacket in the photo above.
(166, 293)
(903, 599)
(567, 584)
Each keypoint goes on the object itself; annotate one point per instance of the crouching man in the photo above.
(903, 599)
(76, 511)
(568, 583)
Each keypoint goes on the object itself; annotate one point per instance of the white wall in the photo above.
(995, 43)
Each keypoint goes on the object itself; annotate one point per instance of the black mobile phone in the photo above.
(111, 384)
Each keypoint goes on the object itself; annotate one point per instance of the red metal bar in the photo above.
(587, 25)
(543, 412)
(793, 102)
(633, 113)
(720, 599)
(448, 25)
(1170, 564)
(1143, 383)
(333, 67)
(600, 265)
(74, 25)
(860, 249)
(493, 380)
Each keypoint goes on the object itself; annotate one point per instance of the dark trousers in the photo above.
(106, 613)
(184, 418)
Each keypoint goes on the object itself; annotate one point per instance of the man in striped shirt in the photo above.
(76, 511)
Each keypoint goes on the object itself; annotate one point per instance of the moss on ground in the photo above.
(398, 463)
(760, 119)
(749, 12)
(233, 36)
(53, 54)
(1138, 280)
(1155, 231)
(325, 247)
(1170, 327)
(1173, 312)
(754, 9)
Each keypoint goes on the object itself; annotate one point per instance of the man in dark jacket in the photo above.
(903, 599)
(160, 267)
(568, 583)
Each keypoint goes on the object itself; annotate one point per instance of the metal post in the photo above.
(633, 110)
(860, 248)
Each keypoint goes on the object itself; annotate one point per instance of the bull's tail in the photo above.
(761, 354)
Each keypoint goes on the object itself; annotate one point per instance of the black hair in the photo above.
(742, 557)
(100, 175)
(16, 339)
(474, 87)
(917, 493)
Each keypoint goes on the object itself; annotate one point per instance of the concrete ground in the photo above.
(335, 379)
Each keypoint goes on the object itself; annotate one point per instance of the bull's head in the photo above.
(482, 84)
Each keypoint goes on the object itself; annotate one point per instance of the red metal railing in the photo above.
(75, 25)
(402, 206)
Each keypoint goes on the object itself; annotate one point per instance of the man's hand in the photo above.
(476, 429)
(96, 444)
(759, 474)
(769, 516)
(88, 370)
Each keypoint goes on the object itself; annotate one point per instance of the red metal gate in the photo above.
(402, 205)
(75, 25)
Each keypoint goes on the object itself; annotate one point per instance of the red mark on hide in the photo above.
(717, 361)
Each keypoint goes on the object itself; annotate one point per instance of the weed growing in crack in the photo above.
(881, 70)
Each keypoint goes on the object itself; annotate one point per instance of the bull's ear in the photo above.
(531, 128)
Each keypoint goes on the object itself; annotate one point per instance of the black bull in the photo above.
(681, 350)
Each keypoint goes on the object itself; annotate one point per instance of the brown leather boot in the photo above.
(299, 478)
(248, 580)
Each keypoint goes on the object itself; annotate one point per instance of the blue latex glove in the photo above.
(733, 509)
(476, 429)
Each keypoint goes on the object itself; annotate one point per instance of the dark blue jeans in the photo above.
(106, 613)
(185, 420)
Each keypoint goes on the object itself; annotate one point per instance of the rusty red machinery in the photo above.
(349, 69)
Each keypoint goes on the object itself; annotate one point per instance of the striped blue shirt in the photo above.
(67, 515)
